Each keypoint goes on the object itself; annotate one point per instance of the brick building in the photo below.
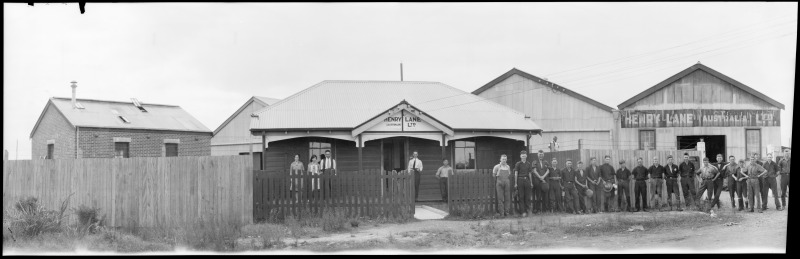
(85, 128)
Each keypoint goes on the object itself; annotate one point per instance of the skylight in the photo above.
(124, 119)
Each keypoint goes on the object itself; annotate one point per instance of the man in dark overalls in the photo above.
(522, 173)
(607, 174)
(541, 169)
(593, 175)
(640, 187)
(769, 183)
(554, 180)
(687, 180)
(671, 175)
(623, 187)
(571, 196)
(720, 180)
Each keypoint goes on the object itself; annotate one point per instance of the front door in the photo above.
(394, 155)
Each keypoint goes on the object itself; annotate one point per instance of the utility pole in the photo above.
(401, 70)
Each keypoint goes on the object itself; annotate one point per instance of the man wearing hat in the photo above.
(583, 189)
(522, 172)
(541, 189)
(568, 179)
(623, 187)
(671, 173)
(640, 186)
(609, 178)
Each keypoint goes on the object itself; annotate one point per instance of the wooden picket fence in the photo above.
(369, 193)
(139, 192)
(471, 192)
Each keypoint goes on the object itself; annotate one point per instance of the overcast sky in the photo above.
(209, 58)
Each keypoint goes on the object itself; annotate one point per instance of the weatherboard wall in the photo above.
(234, 137)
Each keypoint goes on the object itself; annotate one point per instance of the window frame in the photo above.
(127, 153)
(320, 149)
(464, 145)
(641, 143)
(51, 150)
(166, 149)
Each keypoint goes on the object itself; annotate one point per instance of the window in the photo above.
(317, 148)
(464, 155)
(50, 148)
(171, 149)
(121, 150)
(752, 141)
(647, 139)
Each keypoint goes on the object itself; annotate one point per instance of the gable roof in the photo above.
(515, 71)
(688, 71)
(104, 114)
(266, 101)
(346, 104)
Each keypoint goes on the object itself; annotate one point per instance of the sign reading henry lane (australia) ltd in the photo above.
(699, 118)
(403, 121)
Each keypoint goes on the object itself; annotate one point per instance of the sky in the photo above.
(209, 58)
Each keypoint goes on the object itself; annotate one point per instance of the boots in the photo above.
(741, 205)
(783, 201)
(670, 204)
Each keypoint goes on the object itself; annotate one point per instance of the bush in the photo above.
(271, 235)
(30, 219)
(333, 220)
(88, 220)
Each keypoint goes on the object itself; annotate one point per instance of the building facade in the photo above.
(233, 136)
(85, 128)
(378, 124)
(700, 103)
(560, 112)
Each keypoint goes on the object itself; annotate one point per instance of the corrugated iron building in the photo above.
(378, 124)
(233, 136)
(699, 102)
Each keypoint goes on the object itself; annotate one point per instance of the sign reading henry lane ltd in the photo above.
(699, 118)
(403, 121)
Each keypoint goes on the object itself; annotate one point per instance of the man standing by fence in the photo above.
(582, 180)
(671, 173)
(733, 179)
(444, 171)
(656, 172)
(554, 180)
(608, 175)
(623, 187)
(753, 171)
(502, 172)
(541, 169)
(769, 183)
(328, 165)
(415, 166)
(640, 187)
(687, 180)
(593, 174)
(707, 174)
(785, 163)
(522, 173)
(568, 178)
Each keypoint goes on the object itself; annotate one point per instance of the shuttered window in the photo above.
(753, 141)
(647, 139)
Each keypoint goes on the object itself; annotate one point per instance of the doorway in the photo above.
(715, 144)
(394, 154)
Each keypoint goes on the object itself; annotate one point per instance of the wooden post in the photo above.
(263, 150)
(360, 154)
(528, 143)
(580, 144)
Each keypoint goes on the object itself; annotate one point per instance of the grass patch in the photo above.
(617, 223)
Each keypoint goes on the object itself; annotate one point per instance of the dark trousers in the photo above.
(623, 190)
(708, 187)
(735, 190)
(718, 190)
(672, 188)
(523, 194)
(599, 196)
(585, 202)
(571, 197)
(687, 184)
(753, 191)
(769, 183)
(539, 196)
(417, 177)
(640, 193)
(443, 187)
(784, 188)
(556, 201)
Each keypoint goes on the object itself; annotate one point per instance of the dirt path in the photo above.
(764, 231)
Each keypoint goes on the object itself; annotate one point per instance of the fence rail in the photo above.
(139, 192)
(363, 193)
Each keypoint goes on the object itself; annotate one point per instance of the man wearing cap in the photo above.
(719, 181)
(623, 187)
(568, 178)
(769, 183)
(541, 169)
(583, 185)
(687, 180)
(707, 174)
(656, 173)
(640, 186)
(607, 174)
(752, 171)
(671, 173)
(593, 174)
(785, 164)
(522, 172)
(554, 180)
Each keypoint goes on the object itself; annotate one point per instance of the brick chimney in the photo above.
(74, 85)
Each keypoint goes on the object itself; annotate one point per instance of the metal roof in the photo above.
(105, 114)
(515, 71)
(346, 104)
(266, 101)
(688, 71)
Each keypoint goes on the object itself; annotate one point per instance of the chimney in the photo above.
(74, 85)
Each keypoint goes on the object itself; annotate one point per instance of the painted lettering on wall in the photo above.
(699, 118)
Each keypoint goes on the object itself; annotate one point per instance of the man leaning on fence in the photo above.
(444, 171)
(522, 173)
(502, 172)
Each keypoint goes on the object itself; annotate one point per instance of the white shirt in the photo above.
(328, 163)
(411, 164)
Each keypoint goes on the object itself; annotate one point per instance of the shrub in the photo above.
(271, 235)
(332, 220)
(31, 219)
(203, 235)
(88, 219)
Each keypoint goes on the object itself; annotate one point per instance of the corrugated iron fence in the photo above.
(362, 193)
(139, 192)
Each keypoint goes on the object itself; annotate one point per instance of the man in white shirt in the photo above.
(444, 171)
(415, 165)
(554, 145)
(327, 167)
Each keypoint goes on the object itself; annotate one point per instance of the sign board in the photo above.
(699, 118)
(701, 146)
(402, 122)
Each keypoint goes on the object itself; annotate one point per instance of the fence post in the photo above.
(580, 144)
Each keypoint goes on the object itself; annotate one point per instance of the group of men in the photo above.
(544, 187)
